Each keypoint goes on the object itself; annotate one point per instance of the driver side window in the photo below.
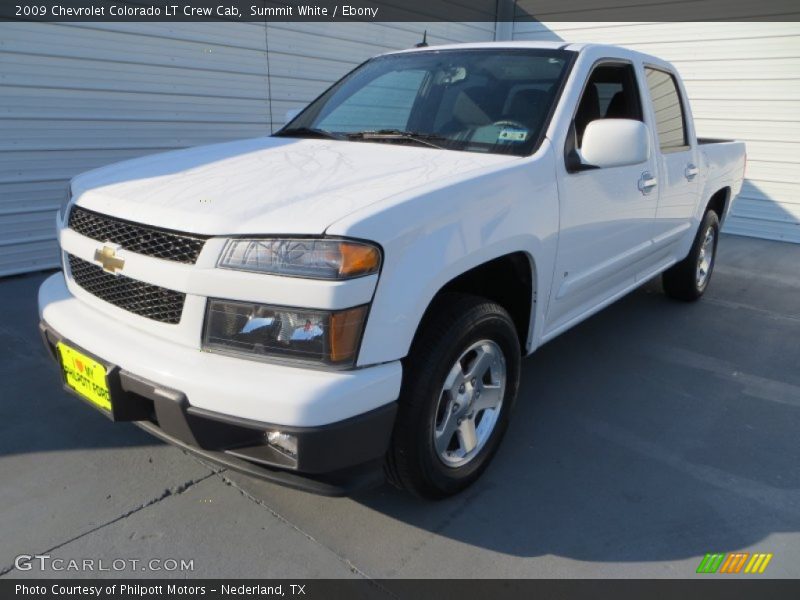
(610, 93)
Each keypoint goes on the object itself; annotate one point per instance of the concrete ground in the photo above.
(644, 438)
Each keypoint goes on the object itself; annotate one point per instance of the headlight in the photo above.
(325, 337)
(312, 258)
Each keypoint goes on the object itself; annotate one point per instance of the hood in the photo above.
(266, 185)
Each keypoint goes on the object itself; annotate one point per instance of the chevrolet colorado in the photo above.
(352, 296)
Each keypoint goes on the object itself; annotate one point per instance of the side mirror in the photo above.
(615, 143)
(292, 113)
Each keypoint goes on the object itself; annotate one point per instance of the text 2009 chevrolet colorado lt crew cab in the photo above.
(353, 294)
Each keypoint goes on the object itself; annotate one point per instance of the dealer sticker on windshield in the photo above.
(513, 135)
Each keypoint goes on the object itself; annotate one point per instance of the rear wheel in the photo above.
(688, 279)
(459, 383)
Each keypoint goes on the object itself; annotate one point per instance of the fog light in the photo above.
(285, 442)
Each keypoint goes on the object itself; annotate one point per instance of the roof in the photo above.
(476, 45)
(559, 45)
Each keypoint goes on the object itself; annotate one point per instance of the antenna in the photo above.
(424, 42)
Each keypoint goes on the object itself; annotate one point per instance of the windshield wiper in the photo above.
(425, 139)
(308, 132)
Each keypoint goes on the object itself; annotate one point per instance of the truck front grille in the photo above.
(138, 297)
(142, 239)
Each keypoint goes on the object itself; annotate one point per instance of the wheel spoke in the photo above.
(444, 434)
(490, 397)
(467, 436)
(454, 379)
(483, 361)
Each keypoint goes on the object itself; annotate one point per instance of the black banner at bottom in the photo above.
(412, 589)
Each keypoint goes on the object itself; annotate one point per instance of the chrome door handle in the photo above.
(647, 182)
(691, 171)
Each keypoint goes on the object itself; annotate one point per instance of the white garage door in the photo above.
(78, 96)
(743, 81)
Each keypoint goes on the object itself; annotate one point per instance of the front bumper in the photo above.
(156, 384)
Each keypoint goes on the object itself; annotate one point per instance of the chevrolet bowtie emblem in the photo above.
(107, 257)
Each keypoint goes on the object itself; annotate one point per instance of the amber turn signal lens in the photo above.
(358, 259)
(302, 257)
(345, 333)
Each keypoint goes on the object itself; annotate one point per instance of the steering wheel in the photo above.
(509, 123)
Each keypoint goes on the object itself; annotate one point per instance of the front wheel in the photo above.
(688, 279)
(460, 381)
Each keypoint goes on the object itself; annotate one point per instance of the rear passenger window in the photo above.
(670, 120)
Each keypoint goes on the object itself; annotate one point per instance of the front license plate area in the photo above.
(85, 376)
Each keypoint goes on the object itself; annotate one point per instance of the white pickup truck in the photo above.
(352, 296)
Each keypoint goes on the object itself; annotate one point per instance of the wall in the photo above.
(743, 81)
(81, 95)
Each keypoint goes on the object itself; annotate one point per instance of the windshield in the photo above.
(482, 100)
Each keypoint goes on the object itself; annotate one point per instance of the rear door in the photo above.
(679, 170)
(606, 214)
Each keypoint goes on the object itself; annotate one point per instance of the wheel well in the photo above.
(719, 202)
(507, 280)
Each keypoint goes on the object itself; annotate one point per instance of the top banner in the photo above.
(399, 10)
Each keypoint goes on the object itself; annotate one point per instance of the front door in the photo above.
(607, 214)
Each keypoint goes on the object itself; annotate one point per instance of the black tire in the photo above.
(681, 281)
(454, 324)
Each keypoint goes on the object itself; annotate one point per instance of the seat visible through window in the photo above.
(611, 93)
(618, 107)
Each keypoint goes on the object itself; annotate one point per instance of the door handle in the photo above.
(691, 171)
(647, 182)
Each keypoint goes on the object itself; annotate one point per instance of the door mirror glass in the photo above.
(615, 143)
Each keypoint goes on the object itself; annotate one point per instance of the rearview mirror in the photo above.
(615, 143)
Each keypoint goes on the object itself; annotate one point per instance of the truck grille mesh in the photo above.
(138, 297)
(142, 239)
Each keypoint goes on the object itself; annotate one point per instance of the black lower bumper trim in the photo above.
(333, 459)
(342, 483)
